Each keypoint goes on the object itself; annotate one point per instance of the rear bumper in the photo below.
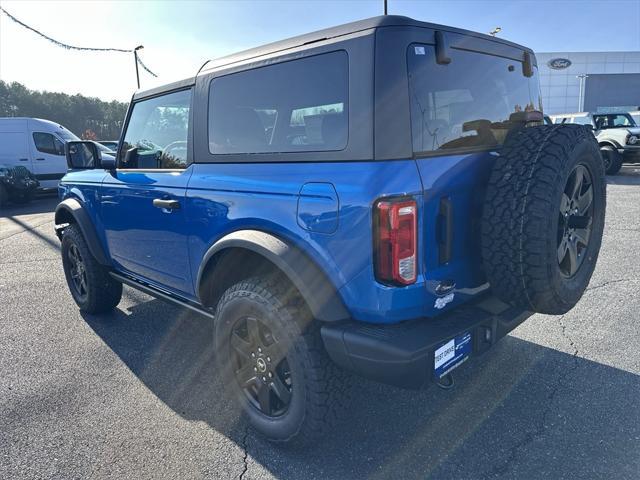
(403, 354)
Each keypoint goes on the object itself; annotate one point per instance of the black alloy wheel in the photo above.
(576, 218)
(607, 159)
(78, 271)
(261, 368)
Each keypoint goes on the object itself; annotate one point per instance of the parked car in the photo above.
(110, 144)
(392, 210)
(617, 133)
(17, 185)
(37, 145)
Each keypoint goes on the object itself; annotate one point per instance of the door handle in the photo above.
(166, 204)
(24, 159)
(40, 159)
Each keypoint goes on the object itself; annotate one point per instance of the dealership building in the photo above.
(589, 81)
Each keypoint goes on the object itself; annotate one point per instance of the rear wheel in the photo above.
(273, 363)
(91, 286)
(611, 159)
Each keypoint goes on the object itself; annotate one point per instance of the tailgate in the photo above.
(453, 187)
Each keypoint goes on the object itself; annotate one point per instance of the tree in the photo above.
(76, 112)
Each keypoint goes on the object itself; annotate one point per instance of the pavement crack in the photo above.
(245, 457)
(610, 282)
(30, 261)
(540, 426)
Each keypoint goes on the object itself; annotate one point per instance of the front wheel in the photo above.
(273, 363)
(25, 197)
(611, 159)
(91, 286)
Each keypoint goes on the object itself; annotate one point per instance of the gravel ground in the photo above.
(134, 395)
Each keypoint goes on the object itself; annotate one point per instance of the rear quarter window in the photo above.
(468, 103)
(294, 106)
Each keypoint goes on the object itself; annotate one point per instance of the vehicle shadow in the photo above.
(522, 409)
(628, 175)
(41, 204)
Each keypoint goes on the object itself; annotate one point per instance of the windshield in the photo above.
(66, 135)
(613, 120)
(469, 103)
(103, 149)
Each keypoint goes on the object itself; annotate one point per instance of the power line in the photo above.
(73, 47)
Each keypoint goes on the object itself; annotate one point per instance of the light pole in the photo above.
(385, 7)
(135, 56)
(583, 79)
(495, 31)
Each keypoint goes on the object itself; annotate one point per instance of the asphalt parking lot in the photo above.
(134, 394)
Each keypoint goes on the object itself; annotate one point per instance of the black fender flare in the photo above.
(609, 143)
(313, 284)
(73, 207)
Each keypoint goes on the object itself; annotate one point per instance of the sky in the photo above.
(179, 36)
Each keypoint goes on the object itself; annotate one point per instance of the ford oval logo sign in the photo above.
(559, 63)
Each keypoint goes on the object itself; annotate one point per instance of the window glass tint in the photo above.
(613, 120)
(157, 132)
(67, 136)
(47, 143)
(582, 120)
(469, 103)
(300, 105)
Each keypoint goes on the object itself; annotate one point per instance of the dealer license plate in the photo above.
(452, 354)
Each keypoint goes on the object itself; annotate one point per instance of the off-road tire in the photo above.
(23, 198)
(320, 389)
(521, 217)
(103, 292)
(612, 159)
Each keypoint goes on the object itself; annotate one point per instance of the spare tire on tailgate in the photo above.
(543, 217)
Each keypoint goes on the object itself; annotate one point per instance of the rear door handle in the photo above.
(24, 159)
(40, 159)
(166, 204)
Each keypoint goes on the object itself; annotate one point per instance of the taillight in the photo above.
(395, 241)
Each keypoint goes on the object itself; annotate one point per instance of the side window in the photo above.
(294, 106)
(157, 133)
(584, 120)
(48, 143)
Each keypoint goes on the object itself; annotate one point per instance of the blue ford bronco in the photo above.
(381, 198)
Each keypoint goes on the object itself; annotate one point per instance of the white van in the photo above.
(35, 144)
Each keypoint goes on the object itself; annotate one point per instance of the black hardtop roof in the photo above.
(341, 30)
(320, 35)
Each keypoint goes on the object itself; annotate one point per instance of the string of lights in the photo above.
(73, 47)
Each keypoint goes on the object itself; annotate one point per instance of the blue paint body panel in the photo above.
(318, 207)
(324, 209)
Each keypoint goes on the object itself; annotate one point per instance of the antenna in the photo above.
(385, 7)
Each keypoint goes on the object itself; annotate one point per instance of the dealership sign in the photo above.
(559, 63)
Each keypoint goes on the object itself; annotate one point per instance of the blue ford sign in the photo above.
(559, 63)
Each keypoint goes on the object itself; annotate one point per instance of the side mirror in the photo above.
(131, 158)
(108, 162)
(82, 155)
